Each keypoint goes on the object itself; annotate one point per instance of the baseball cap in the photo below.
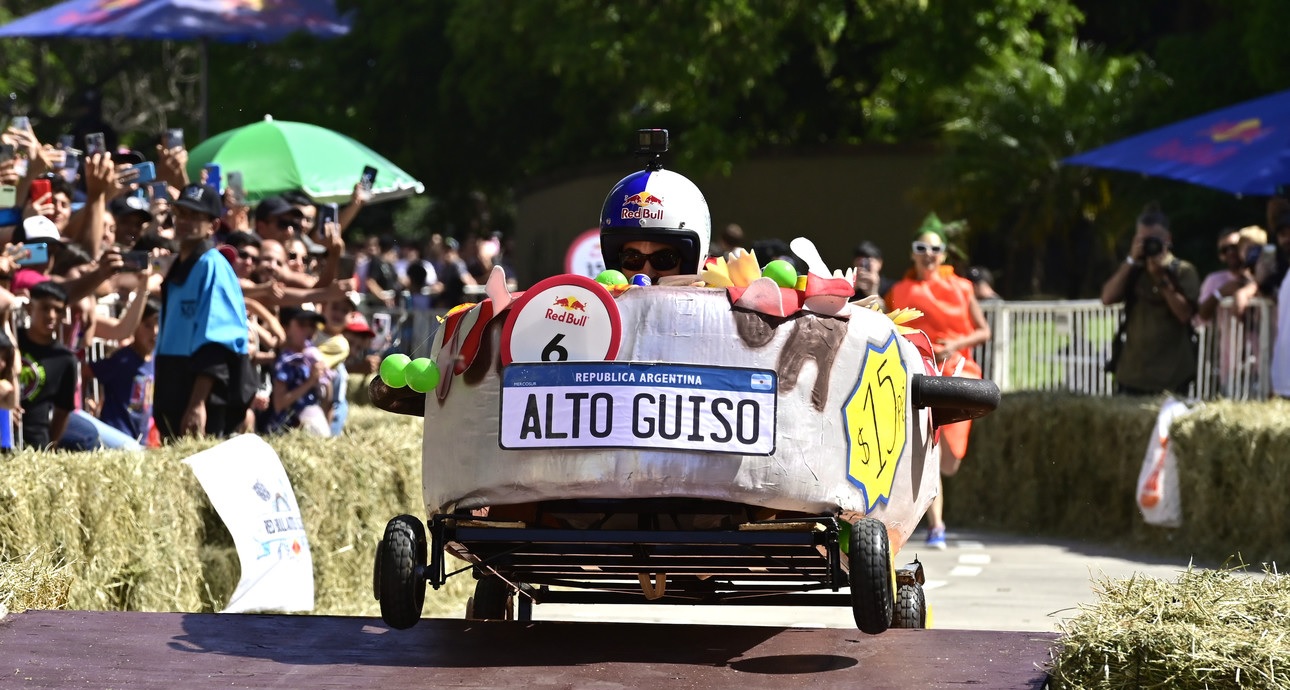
(289, 314)
(357, 323)
(274, 206)
(129, 204)
(201, 198)
(869, 250)
(38, 229)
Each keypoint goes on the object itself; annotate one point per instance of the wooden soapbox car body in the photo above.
(665, 445)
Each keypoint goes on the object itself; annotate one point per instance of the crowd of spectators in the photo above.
(142, 306)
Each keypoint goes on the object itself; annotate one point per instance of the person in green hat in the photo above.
(954, 323)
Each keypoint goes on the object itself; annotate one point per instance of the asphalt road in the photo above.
(982, 581)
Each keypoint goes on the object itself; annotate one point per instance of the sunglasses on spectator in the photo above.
(661, 260)
(925, 248)
(248, 255)
(1225, 248)
(292, 256)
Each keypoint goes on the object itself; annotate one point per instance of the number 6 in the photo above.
(554, 348)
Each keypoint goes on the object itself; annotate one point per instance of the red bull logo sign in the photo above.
(647, 207)
(1246, 131)
(565, 312)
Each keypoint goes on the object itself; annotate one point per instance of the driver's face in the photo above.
(636, 250)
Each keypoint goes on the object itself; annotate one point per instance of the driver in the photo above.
(655, 223)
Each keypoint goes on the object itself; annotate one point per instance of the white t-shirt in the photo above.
(1281, 346)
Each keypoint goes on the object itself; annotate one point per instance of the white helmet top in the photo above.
(656, 205)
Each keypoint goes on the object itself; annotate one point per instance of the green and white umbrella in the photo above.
(276, 156)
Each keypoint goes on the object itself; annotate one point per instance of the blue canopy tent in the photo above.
(230, 21)
(1243, 149)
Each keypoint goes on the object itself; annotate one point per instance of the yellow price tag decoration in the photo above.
(875, 420)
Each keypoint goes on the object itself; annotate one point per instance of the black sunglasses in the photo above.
(661, 260)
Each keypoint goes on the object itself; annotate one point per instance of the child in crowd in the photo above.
(299, 378)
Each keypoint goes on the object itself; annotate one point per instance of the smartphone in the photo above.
(40, 187)
(71, 166)
(327, 213)
(160, 191)
(368, 178)
(213, 177)
(8, 196)
(95, 143)
(235, 185)
(21, 122)
(134, 262)
(65, 141)
(1252, 255)
(174, 138)
(146, 172)
(32, 254)
(7, 152)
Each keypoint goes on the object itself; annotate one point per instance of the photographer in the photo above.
(1155, 348)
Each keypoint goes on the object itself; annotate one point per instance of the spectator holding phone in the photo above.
(202, 337)
(1239, 251)
(127, 377)
(48, 376)
(300, 378)
(869, 280)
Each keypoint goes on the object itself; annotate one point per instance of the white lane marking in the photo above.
(975, 559)
(965, 544)
(934, 584)
(965, 571)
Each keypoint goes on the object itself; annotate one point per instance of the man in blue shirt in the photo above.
(202, 341)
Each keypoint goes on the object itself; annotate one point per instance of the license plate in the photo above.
(635, 405)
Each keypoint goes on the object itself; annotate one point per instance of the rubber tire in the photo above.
(401, 564)
(911, 608)
(492, 599)
(869, 557)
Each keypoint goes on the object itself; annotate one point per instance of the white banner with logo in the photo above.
(249, 489)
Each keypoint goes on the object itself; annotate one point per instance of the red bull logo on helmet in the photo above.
(648, 206)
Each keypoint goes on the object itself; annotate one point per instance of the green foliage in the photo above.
(1003, 171)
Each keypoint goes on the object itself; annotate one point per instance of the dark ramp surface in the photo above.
(80, 649)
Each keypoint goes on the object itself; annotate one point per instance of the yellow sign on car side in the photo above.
(875, 418)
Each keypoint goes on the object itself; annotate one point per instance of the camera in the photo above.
(1152, 246)
(651, 141)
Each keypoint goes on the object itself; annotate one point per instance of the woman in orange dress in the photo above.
(953, 321)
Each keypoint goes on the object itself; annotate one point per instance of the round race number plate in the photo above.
(567, 318)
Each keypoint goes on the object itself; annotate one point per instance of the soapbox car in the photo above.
(672, 445)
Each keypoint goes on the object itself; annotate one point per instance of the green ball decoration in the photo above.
(781, 272)
(611, 277)
(393, 370)
(422, 375)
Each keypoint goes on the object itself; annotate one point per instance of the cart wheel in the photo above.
(869, 557)
(492, 600)
(400, 568)
(911, 607)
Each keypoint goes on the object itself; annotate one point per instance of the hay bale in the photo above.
(1056, 464)
(138, 533)
(33, 581)
(1207, 629)
(1233, 468)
